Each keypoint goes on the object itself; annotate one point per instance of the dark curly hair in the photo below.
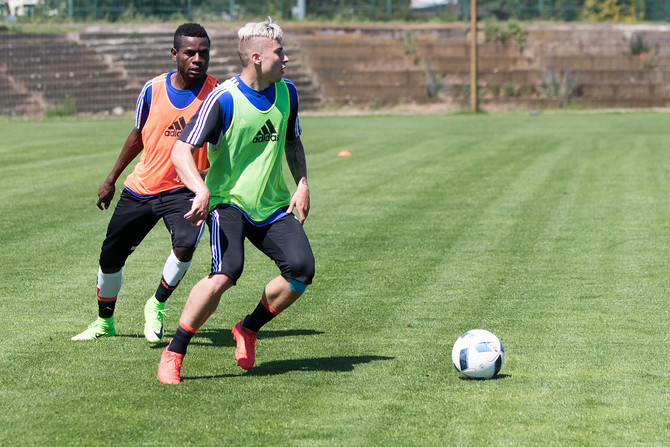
(189, 30)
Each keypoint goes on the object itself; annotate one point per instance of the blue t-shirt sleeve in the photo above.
(143, 106)
(293, 130)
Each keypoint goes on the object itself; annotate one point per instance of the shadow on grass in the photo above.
(501, 376)
(328, 364)
(223, 337)
(497, 377)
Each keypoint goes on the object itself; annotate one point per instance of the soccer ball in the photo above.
(478, 355)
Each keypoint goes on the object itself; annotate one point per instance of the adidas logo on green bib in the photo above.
(267, 133)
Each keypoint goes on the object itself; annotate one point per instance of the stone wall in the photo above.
(102, 68)
(559, 65)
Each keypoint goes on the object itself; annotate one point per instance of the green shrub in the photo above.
(557, 84)
(637, 44)
(513, 31)
(510, 89)
(66, 108)
(495, 90)
(409, 42)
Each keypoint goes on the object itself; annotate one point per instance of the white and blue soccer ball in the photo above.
(478, 355)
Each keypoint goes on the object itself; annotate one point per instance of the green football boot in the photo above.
(101, 327)
(154, 312)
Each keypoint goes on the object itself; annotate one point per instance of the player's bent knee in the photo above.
(303, 270)
(183, 254)
(220, 282)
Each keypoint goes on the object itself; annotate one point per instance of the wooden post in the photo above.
(473, 57)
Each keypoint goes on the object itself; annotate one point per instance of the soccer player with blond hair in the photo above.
(251, 122)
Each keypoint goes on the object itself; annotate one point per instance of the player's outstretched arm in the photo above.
(182, 158)
(295, 158)
(131, 148)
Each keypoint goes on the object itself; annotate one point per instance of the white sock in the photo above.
(174, 269)
(109, 284)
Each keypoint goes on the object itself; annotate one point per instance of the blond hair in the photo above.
(267, 29)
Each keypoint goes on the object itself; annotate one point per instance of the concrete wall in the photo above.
(102, 68)
(589, 65)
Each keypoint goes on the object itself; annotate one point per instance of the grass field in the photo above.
(552, 231)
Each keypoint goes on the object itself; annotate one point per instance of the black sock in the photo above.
(180, 341)
(106, 308)
(164, 291)
(258, 318)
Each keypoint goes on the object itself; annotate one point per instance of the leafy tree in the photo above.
(612, 10)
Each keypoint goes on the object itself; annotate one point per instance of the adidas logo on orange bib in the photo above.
(267, 133)
(175, 128)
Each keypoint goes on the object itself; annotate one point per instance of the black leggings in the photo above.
(284, 241)
(134, 218)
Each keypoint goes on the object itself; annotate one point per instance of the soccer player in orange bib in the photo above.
(153, 191)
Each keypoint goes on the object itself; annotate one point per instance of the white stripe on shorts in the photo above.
(215, 241)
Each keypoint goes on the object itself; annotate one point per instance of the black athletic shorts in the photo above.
(134, 218)
(284, 241)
